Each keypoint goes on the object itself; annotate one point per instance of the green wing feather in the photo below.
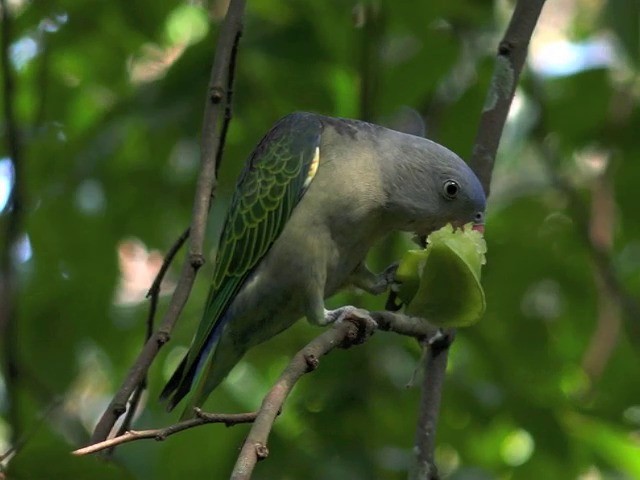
(268, 189)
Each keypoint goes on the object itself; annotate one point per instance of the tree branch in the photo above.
(12, 232)
(355, 329)
(424, 465)
(510, 59)
(160, 434)
(154, 296)
(206, 189)
(370, 19)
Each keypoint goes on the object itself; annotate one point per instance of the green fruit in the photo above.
(442, 282)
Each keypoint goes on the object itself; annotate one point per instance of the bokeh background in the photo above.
(109, 99)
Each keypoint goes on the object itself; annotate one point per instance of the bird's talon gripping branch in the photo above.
(389, 273)
(363, 278)
(388, 277)
(338, 315)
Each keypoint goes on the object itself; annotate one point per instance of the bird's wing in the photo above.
(276, 176)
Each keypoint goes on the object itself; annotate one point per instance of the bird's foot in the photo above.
(386, 280)
(339, 314)
(365, 325)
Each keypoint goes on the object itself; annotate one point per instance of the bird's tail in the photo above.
(187, 375)
(214, 369)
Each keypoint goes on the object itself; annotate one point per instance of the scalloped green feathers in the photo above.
(276, 176)
(442, 282)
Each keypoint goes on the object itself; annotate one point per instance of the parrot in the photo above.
(314, 196)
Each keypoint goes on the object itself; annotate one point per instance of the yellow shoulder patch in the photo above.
(313, 168)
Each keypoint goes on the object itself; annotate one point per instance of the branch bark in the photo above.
(510, 58)
(12, 232)
(154, 296)
(354, 329)
(206, 188)
(511, 55)
(306, 360)
(160, 434)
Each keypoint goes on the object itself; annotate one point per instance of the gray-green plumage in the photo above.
(294, 235)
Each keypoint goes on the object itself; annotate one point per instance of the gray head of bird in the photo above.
(429, 186)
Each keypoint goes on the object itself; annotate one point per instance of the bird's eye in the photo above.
(451, 189)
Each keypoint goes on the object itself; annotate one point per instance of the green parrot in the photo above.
(314, 196)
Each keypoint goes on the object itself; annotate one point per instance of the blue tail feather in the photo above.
(181, 382)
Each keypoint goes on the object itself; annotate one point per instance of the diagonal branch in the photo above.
(205, 191)
(510, 59)
(354, 329)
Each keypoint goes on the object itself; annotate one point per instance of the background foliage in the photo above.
(110, 97)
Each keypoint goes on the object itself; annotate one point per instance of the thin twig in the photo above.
(154, 290)
(160, 434)
(12, 232)
(510, 59)
(205, 191)
(228, 111)
(154, 296)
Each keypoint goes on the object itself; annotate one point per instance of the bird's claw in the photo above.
(359, 317)
(386, 280)
(338, 315)
(389, 276)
